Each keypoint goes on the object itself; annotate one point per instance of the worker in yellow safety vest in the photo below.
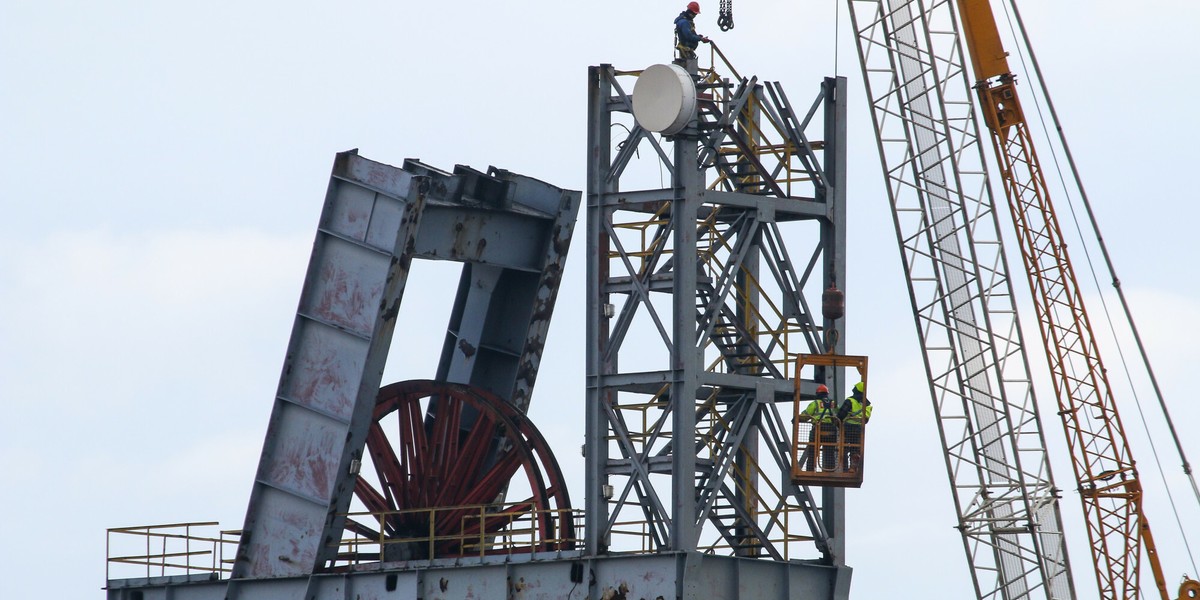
(822, 412)
(854, 413)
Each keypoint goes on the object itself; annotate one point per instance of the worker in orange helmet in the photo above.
(822, 413)
(686, 38)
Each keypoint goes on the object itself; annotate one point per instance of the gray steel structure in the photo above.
(962, 298)
(730, 525)
(698, 300)
(510, 231)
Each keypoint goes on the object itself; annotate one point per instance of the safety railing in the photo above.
(632, 536)
(828, 453)
(650, 235)
(165, 550)
(482, 530)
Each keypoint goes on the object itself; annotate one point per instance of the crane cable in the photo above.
(1112, 273)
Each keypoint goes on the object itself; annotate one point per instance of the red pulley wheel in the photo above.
(447, 446)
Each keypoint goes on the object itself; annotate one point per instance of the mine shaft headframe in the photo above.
(829, 453)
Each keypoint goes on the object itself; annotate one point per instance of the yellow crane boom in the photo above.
(1104, 468)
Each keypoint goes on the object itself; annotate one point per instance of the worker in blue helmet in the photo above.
(686, 38)
(822, 413)
(854, 413)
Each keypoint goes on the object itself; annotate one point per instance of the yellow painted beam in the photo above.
(983, 39)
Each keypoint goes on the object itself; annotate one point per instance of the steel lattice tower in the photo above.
(699, 296)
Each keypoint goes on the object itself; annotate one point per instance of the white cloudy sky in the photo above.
(163, 166)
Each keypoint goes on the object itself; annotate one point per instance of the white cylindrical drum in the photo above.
(664, 99)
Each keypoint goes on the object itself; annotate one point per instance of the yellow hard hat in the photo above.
(860, 387)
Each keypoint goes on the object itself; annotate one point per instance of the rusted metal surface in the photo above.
(543, 307)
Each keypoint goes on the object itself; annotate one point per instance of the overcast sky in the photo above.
(163, 166)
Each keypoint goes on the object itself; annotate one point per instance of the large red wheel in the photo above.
(469, 448)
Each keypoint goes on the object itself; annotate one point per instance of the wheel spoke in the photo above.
(415, 451)
(429, 461)
(387, 467)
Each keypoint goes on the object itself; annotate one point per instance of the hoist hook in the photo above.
(725, 15)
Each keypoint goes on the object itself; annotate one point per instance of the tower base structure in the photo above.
(528, 577)
(716, 256)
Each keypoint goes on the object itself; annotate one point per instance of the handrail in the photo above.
(717, 51)
(170, 549)
(484, 529)
(185, 549)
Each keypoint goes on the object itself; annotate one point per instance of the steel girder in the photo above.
(1110, 489)
(962, 297)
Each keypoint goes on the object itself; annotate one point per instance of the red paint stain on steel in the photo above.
(280, 548)
(377, 177)
(303, 465)
(260, 565)
(353, 216)
(652, 577)
(344, 300)
(320, 381)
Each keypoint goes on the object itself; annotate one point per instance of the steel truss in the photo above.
(1109, 486)
(688, 359)
(946, 224)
